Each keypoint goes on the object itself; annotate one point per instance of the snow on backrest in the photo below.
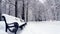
(11, 19)
(2, 25)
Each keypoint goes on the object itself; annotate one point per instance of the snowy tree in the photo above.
(0, 10)
(32, 10)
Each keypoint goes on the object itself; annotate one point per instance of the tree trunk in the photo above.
(0, 10)
(16, 8)
(26, 10)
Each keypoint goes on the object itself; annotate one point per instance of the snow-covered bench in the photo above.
(13, 21)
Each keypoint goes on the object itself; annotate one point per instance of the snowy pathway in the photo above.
(42, 28)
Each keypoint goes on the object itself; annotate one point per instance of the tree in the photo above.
(0, 10)
(23, 10)
(15, 8)
(26, 10)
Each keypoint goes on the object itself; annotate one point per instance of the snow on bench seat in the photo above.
(11, 19)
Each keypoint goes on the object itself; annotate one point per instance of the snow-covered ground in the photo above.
(2, 27)
(45, 27)
(3, 32)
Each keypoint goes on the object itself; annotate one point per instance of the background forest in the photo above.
(32, 10)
